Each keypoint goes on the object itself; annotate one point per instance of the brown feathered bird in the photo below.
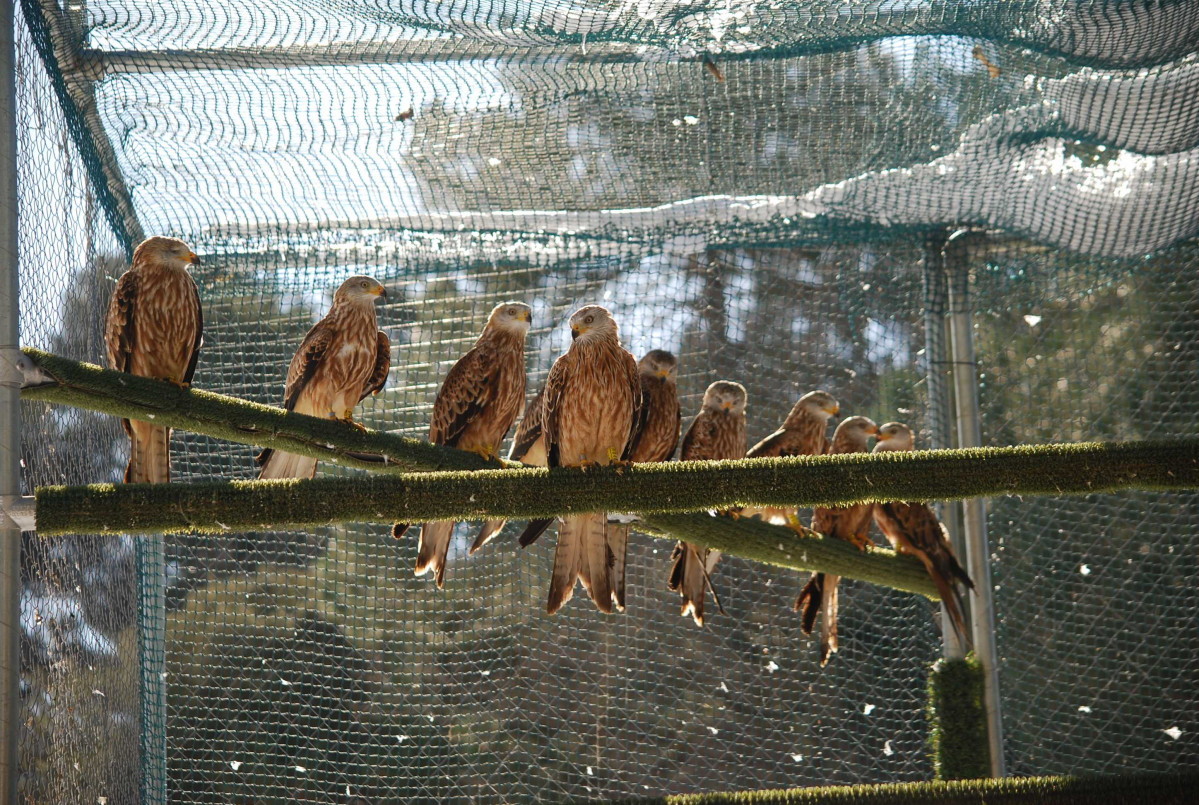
(655, 438)
(717, 433)
(344, 357)
(528, 447)
(592, 402)
(850, 523)
(477, 404)
(154, 328)
(802, 434)
(913, 528)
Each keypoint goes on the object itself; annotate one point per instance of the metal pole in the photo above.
(978, 554)
(10, 419)
(940, 401)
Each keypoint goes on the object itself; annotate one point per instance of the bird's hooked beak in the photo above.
(873, 431)
(575, 332)
(526, 315)
(663, 373)
(381, 293)
(834, 411)
(192, 258)
(727, 405)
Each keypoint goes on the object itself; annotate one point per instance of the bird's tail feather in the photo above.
(689, 579)
(533, 530)
(434, 545)
(487, 533)
(809, 601)
(582, 552)
(279, 464)
(618, 543)
(828, 626)
(149, 454)
(954, 605)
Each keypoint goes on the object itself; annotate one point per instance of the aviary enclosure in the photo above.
(978, 219)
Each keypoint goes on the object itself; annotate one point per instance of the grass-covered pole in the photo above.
(85, 385)
(958, 720)
(662, 488)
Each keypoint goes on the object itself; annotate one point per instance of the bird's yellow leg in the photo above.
(799, 528)
(489, 452)
(615, 460)
(174, 381)
(347, 417)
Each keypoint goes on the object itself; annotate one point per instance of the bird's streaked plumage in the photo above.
(592, 401)
(528, 447)
(655, 438)
(913, 528)
(476, 406)
(154, 328)
(342, 359)
(849, 523)
(803, 434)
(717, 433)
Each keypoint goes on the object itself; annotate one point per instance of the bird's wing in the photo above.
(530, 429)
(468, 389)
(118, 324)
(382, 366)
(308, 359)
(199, 340)
(776, 444)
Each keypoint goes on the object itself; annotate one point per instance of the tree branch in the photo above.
(85, 385)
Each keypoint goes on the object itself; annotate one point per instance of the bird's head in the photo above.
(160, 251)
(360, 290)
(660, 364)
(852, 434)
(511, 317)
(894, 436)
(725, 396)
(818, 404)
(592, 323)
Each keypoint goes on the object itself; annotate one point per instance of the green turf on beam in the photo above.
(1128, 790)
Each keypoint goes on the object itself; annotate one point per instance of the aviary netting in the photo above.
(767, 192)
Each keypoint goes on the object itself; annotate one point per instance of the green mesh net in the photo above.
(749, 185)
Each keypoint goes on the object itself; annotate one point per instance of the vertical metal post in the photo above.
(10, 419)
(978, 553)
(152, 647)
(940, 401)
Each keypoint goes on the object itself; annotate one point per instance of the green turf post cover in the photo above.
(958, 729)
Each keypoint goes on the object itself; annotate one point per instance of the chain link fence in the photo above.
(312, 666)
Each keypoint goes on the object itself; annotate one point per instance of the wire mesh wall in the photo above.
(786, 255)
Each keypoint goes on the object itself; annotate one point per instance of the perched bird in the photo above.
(717, 433)
(592, 403)
(528, 447)
(802, 434)
(850, 523)
(344, 357)
(477, 404)
(913, 528)
(154, 328)
(654, 439)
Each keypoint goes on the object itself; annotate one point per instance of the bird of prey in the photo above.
(591, 406)
(654, 439)
(850, 523)
(477, 404)
(718, 432)
(344, 357)
(528, 447)
(913, 528)
(802, 434)
(154, 328)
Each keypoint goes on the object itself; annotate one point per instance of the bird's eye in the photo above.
(511, 311)
(365, 284)
(589, 320)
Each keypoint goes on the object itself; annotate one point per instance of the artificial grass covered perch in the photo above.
(1130, 790)
(957, 719)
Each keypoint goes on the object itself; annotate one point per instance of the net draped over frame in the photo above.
(749, 185)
